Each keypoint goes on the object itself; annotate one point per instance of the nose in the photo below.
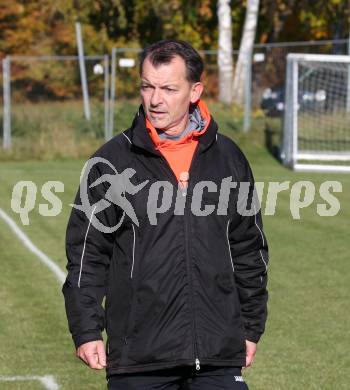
(156, 97)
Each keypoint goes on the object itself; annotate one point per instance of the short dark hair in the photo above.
(164, 51)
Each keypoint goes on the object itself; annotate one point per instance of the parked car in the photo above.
(273, 101)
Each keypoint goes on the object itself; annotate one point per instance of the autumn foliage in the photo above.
(46, 27)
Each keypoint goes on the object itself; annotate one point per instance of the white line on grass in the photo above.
(60, 275)
(47, 381)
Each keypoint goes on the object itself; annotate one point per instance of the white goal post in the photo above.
(316, 128)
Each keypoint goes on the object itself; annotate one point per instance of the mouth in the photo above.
(157, 113)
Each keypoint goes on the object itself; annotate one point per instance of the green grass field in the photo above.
(307, 336)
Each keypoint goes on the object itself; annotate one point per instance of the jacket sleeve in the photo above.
(249, 251)
(88, 253)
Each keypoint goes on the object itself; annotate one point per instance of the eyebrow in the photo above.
(162, 86)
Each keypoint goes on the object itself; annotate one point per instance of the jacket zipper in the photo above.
(195, 345)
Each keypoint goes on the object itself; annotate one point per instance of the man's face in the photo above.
(167, 94)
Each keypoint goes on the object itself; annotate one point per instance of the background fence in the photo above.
(46, 92)
(268, 67)
(45, 104)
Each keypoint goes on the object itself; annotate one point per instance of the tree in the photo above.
(275, 16)
(245, 50)
(191, 20)
(225, 62)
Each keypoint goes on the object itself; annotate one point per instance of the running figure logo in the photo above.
(120, 185)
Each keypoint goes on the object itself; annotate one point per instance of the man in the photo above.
(162, 230)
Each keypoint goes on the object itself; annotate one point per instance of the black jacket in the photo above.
(187, 290)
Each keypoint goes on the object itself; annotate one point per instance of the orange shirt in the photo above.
(179, 153)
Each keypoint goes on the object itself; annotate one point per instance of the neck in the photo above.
(178, 130)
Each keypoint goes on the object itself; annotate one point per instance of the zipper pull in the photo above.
(198, 366)
(184, 177)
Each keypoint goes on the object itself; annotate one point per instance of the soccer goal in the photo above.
(316, 128)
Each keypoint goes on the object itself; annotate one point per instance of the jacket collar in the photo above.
(142, 139)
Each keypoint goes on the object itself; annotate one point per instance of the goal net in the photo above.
(316, 129)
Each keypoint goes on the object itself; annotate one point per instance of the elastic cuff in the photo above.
(86, 337)
(252, 336)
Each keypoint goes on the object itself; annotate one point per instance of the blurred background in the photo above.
(39, 39)
(69, 82)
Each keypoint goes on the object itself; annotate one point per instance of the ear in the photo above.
(196, 92)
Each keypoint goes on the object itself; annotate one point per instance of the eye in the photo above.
(170, 89)
(145, 87)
